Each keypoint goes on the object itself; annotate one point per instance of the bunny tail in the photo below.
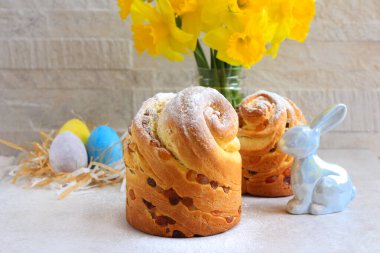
(353, 194)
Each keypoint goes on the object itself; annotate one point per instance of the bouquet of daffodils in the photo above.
(237, 32)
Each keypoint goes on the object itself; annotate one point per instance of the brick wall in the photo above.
(62, 58)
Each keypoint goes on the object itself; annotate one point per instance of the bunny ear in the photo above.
(330, 118)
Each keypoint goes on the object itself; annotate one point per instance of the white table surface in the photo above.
(34, 220)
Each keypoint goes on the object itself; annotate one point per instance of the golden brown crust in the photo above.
(263, 118)
(184, 166)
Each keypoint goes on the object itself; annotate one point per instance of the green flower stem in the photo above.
(219, 75)
(200, 57)
(223, 79)
(214, 68)
(236, 94)
(224, 70)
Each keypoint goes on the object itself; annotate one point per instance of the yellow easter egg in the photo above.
(77, 127)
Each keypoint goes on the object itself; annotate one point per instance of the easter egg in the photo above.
(77, 127)
(67, 153)
(104, 145)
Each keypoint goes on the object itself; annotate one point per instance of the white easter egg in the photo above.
(67, 153)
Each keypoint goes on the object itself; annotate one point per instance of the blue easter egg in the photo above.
(104, 145)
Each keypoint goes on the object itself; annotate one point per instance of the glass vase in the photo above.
(226, 80)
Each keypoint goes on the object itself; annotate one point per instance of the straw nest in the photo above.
(33, 167)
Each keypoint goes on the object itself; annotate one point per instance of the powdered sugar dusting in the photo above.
(201, 118)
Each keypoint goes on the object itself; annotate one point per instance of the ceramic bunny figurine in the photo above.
(319, 187)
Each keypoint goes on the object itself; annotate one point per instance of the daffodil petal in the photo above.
(143, 11)
(217, 39)
(125, 7)
(191, 23)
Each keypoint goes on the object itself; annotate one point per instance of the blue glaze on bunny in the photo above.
(319, 187)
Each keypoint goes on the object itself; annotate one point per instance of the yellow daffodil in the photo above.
(239, 31)
(125, 7)
(190, 13)
(303, 13)
(246, 5)
(238, 46)
(181, 7)
(213, 13)
(216, 13)
(155, 30)
(289, 19)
